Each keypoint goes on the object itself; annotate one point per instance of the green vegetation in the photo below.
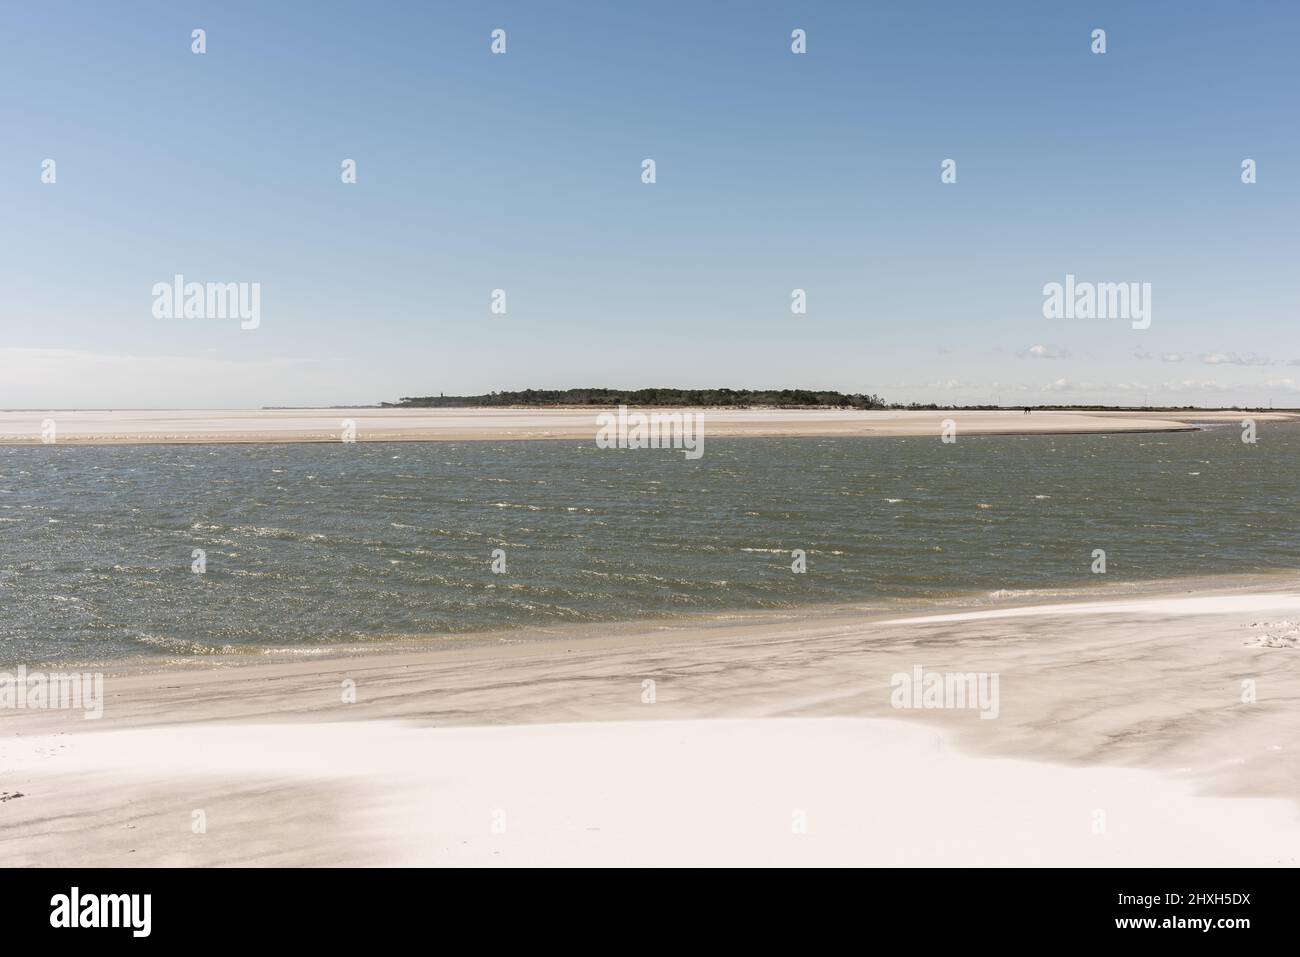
(696, 398)
(727, 399)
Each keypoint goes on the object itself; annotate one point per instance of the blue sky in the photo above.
(775, 171)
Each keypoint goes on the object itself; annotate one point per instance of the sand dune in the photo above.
(1123, 737)
(746, 792)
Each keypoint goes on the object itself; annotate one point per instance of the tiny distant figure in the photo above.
(1026, 410)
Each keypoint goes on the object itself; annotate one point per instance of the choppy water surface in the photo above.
(311, 545)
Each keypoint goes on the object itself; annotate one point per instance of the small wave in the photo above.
(184, 646)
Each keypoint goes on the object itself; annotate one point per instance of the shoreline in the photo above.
(1135, 710)
(620, 632)
(277, 426)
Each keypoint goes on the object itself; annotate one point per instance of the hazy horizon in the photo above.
(376, 405)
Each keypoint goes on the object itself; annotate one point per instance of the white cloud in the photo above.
(1235, 359)
(1044, 352)
(1282, 385)
(1194, 385)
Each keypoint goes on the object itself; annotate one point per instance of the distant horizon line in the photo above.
(892, 407)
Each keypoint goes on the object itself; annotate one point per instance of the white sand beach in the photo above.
(127, 426)
(1150, 725)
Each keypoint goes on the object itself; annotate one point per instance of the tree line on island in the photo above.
(734, 399)
(694, 398)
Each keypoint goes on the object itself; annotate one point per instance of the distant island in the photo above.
(737, 399)
(693, 398)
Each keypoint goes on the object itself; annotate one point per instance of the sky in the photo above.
(523, 172)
